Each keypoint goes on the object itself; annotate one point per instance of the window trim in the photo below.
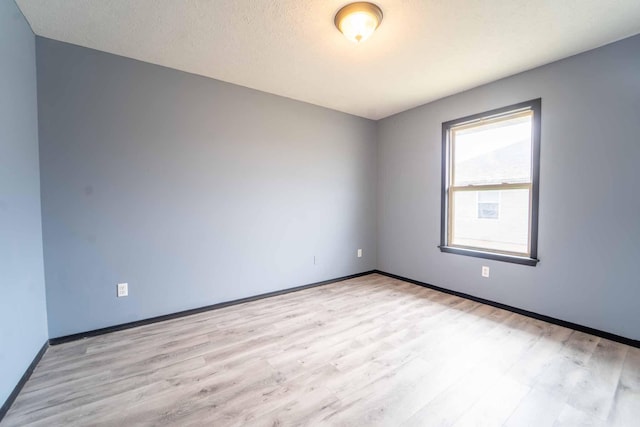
(534, 106)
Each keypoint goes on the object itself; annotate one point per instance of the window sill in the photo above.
(491, 255)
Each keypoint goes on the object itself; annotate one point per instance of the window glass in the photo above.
(510, 233)
(494, 153)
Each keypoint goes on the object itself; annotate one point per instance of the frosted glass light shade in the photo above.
(357, 21)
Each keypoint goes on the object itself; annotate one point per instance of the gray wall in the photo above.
(589, 241)
(192, 190)
(23, 316)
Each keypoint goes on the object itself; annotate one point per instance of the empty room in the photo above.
(321, 213)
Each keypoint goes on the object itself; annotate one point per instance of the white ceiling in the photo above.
(424, 49)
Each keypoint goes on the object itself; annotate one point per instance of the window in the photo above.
(490, 184)
(488, 204)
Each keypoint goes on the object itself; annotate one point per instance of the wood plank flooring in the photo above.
(364, 352)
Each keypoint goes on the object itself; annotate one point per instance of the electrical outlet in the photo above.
(485, 271)
(123, 289)
(359, 253)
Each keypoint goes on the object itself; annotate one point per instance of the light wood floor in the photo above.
(367, 351)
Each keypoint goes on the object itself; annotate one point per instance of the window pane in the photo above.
(493, 153)
(505, 228)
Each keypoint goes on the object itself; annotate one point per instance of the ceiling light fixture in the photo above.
(357, 21)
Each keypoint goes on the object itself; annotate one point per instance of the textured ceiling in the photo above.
(424, 49)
